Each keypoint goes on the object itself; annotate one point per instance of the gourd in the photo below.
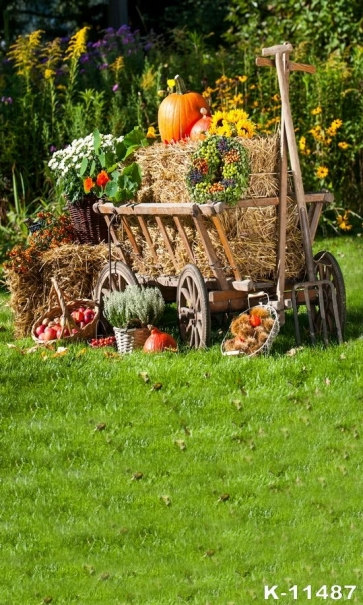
(159, 341)
(178, 113)
(198, 131)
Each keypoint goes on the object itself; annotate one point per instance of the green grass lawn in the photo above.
(184, 478)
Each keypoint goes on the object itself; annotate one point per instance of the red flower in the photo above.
(102, 178)
(88, 184)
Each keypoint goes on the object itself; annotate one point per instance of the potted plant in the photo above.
(98, 165)
(130, 312)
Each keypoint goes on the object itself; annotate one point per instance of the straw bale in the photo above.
(75, 267)
(252, 235)
(164, 169)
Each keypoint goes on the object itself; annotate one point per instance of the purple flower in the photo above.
(103, 66)
(7, 100)
(52, 148)
(115, 88)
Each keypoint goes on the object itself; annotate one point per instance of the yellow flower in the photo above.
(49, 74)
(322, 172)
(343, 221)
(316, 111)
(242, 79)
(336, 124)
(276, 98)
(171, 83)
(302, 143)
(343, 145)
(151, 134)
(118, 64)
(234, 122)
(78, 44)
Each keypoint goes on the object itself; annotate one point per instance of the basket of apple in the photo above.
(69, 319)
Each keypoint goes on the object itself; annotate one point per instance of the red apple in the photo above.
(78, 316)
(40, 329)
(49, 334)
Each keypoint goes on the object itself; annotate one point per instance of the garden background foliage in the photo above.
(55, 90)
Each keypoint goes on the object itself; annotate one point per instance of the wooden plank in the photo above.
(150, 209)
(130, 235)
(167, 242)
(279, 48)
(264, 62)
(226, 247)
(314, 219)
(327, 197)
(213, 259)
(184, 238)
(247, 285)
(147, 236)
(225, 295)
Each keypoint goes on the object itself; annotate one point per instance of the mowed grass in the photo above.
(183, 478)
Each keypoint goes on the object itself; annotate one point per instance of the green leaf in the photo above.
(83, 166)
(93, 168)
(111, 189)
(102, 158)
(96, 140)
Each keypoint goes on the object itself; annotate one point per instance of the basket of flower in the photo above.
(252, 332)
(71, 320)
(130, 312)
(96, 166)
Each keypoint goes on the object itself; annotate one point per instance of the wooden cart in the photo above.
(320, 289)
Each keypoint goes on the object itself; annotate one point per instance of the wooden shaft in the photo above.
(184, 238)
(295, 167)
(213, 259)
(264, 62)
(227, 248)
(278, 49)
(282, 207)
(168, 245)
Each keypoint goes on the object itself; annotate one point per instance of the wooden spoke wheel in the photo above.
(327, 268)
(113, 277)
(193, 308)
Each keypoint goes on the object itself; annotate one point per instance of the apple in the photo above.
(40, 329)
(78, 316)
(49, 334)
(88, 316)
(65, 333)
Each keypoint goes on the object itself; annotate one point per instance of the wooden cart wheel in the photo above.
(120, 277)
(193, 308)
(326, 267)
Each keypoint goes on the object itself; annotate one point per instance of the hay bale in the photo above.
(75, 267)
(164, 169)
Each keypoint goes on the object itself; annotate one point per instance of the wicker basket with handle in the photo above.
(64, 309)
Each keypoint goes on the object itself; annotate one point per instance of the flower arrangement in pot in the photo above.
(99, 165)
(130, 312)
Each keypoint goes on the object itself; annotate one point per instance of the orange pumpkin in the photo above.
(198, 131)
(178, 113)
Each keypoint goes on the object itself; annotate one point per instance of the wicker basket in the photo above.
(254, 349)
(129, 339)
(64, 309)
(90, 227)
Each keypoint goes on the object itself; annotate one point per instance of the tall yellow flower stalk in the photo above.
(77, 46)
(25, 54)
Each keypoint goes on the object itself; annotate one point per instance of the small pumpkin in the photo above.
(159, 341)
(198, 131)
(178, 112)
